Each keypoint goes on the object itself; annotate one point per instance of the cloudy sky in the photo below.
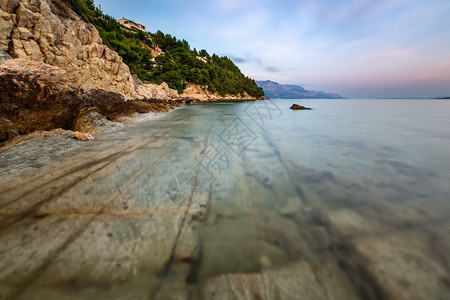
(358, 48)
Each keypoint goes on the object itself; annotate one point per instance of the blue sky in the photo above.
(358, 48)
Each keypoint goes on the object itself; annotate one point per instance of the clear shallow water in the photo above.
(349, 200)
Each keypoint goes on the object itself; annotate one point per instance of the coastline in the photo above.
(37, 97)
(96, 123)
(133, 166)
(58, 141)
(84, 87)
(232, 100)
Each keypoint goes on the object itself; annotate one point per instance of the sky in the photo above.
(357, 48)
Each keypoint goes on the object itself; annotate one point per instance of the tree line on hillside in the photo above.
(179, 64)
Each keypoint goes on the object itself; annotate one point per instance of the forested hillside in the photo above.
(177, 64)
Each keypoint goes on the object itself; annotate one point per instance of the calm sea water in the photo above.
(349, 200)
(364, 184)
(397, 148)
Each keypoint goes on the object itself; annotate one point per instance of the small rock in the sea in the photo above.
(299, 107)
(82, 136)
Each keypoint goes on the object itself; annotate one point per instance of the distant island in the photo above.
(289, 91)
(443, 98)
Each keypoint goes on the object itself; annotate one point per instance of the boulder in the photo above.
(299, 107)
(35, 96)
(158, 92)
(39, 97)
(49, 31)
(114, 106)
(89, 120)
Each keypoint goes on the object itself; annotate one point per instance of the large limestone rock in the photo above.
(49, 31)
(198, 92)
(195, 91)
(6, 21)
(90, 120)
(157, 92)
(36, 96)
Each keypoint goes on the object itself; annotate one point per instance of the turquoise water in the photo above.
(350, 200)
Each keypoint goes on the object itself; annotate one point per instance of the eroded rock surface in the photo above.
(7, 130)
(158, 92)
(49, 31)
(196, 91)
(37, 96)
(89, 120)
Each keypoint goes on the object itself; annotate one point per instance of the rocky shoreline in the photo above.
(55, 72)
(39, 97)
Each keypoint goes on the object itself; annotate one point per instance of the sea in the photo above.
(348, 200)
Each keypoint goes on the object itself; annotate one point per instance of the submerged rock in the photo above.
(299, 107)
(297, 280)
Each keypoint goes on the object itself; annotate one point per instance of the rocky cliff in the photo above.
(49, 31)
(63, 76)
(36, 96)
(154, 91)
(195, 91)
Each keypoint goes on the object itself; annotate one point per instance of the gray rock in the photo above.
(89, 120)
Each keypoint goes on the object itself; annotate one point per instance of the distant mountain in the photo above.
(289, 91)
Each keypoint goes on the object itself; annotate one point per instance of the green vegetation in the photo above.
(179, 64)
